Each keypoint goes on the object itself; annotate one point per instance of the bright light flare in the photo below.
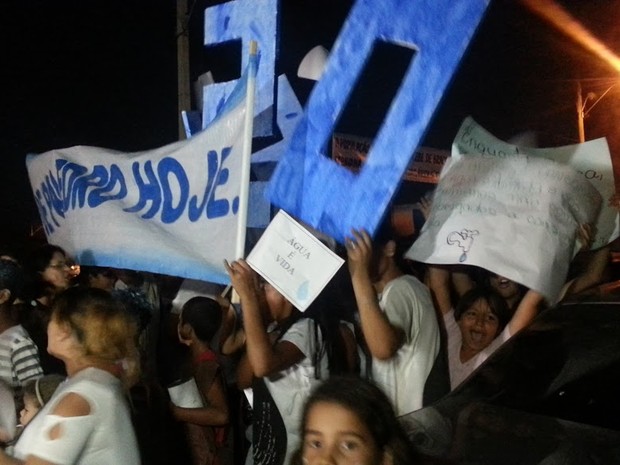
(562, 20)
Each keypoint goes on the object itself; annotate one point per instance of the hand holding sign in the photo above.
(293, 261)
(359, 252)
(243, 279)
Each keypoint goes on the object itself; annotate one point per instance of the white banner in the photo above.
(293, 261)
(171, 210)
(516, 216)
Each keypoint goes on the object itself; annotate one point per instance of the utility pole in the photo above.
(582, 111)
(580, 114)
(183, 85)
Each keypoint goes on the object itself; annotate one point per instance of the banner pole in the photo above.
(247, 153)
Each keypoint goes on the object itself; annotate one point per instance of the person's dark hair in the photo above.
(204, 315)
(484, 276)
(11, 278)
(136, 304)
(385, 233)
(36, 264)
(334, 304)
(496, 303)
(371, 406)
(86, 272)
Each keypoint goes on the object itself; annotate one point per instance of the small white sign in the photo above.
(186, 394)
(293, 261)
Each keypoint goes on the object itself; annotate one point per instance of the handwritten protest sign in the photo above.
(516, 216)
(591, 159)
(293, 261)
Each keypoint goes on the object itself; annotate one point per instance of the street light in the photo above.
(582, 111)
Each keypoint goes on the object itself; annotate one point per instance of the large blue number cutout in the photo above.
(246, 20)
(312, 187)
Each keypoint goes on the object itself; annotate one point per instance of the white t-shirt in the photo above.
(103, 437)
(407, 304)
(291, 387)
(459, 370)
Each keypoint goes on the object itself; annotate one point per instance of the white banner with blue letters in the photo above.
(172, 210)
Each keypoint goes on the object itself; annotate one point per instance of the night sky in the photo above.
(103, 73)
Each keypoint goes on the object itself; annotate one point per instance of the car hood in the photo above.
(479, 433)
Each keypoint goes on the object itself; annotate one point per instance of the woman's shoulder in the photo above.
(72, 404)
(93, 385)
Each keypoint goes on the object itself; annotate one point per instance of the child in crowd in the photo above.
(480, 323)
(349, 420)
(206, 426)
(36, 394)
(287, 353)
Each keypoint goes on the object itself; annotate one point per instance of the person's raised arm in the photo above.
(461, 281)
(382, 338)
(592, 273)
(263, 357)
(439, 284)
(232, 335)
(526, 311)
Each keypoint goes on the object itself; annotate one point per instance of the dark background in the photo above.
(103, 73)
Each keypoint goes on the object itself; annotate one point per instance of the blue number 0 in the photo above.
(310, 186)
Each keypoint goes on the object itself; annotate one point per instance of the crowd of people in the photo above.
(100, 365)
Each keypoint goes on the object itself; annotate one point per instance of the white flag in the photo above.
(172, 210)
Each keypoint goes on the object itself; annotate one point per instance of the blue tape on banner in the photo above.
(245, 20)
(309, 185)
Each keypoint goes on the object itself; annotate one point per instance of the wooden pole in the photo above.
(183, 85)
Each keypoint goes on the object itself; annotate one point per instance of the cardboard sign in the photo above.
(293, 261)
(591, 160)
(314, 188)
(516, 216)
(245, 20)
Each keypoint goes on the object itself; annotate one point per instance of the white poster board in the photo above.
(516, 216)
(293, 261)
(591, 159)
